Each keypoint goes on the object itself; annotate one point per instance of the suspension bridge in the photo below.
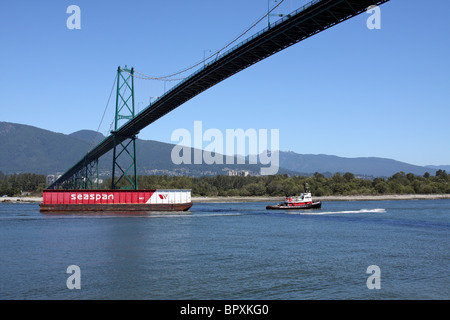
(305, 22)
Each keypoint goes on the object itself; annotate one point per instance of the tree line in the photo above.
(275, 185)
(14, 184)
(282, 185)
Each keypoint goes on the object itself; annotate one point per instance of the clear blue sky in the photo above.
(348, 91)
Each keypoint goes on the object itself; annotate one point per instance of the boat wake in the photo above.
(219, 214)
(340, 212)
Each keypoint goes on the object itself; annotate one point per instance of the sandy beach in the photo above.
(272, 199)
(21, 199)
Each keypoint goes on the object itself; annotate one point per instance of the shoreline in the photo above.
(21, 200)
(274, 199)
(325, 198)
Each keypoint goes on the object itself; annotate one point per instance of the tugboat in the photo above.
(304, 201)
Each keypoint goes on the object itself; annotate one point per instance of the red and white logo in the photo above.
(163, 196)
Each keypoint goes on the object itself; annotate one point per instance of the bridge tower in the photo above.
(124, 151)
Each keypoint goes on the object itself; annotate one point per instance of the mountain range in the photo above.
(26, 148)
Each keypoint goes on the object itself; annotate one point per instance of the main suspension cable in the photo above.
(165, 78)
(104, 113)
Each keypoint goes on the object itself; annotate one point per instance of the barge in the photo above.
(124, 201)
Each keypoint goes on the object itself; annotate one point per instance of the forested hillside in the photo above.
(281, 185)
(15, 184)
(277, 185)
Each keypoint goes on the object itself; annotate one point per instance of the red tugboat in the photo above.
(304, 201)
(124, 201)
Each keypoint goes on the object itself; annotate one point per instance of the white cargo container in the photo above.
(171, 196)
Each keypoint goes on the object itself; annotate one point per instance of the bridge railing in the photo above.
(281, 20)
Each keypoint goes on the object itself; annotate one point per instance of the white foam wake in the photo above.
(340, 212)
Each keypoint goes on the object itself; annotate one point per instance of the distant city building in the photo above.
(52, 178)
(240, 173)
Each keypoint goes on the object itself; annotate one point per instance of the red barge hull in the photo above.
(123, 201)
(313, 205)
(132, 208)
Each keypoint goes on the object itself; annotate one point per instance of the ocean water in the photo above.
(232, 251)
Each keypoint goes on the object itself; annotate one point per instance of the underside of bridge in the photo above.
(316, 16)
